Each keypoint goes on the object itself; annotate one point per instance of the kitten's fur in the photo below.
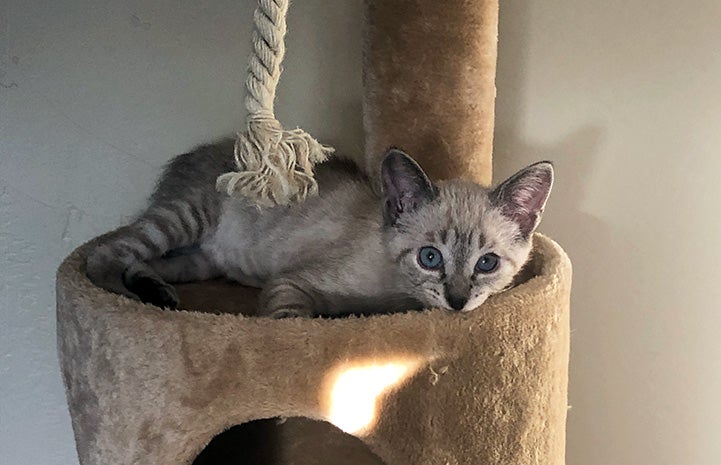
(345, 251)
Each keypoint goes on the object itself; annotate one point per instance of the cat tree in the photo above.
(147, 386)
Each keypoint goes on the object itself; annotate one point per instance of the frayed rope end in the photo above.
(275, 166)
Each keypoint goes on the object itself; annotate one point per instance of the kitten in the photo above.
(418, 245)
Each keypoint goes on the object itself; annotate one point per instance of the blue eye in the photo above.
(430, 258)
(487, 263)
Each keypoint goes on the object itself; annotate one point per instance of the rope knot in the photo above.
(275, 165)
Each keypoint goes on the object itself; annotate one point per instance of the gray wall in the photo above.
(624, 96)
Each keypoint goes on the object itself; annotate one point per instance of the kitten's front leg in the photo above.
(286, 297)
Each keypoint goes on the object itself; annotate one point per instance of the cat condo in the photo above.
(152, 386)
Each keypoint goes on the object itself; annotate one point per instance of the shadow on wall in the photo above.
(604, 291)
(610, 322)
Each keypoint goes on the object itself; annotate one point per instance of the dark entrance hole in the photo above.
(295, 441)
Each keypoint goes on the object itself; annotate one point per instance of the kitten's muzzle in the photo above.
(457, 302)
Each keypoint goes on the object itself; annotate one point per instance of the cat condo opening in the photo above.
(152, 386)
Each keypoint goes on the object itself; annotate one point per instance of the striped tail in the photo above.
(121, 257)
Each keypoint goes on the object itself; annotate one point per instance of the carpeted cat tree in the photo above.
(148, 386)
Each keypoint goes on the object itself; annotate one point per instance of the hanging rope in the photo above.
(275, 166)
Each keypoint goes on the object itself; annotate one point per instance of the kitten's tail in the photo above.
(165, 226)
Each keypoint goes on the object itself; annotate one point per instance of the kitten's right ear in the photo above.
(405, 186)
(522, 197)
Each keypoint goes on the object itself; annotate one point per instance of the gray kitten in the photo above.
(347, 250)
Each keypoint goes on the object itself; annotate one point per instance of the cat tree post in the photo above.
(429, 84)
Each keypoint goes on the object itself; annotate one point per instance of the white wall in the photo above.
(624, 96)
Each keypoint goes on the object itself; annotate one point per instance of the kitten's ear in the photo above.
(522, 197)
(405, 186)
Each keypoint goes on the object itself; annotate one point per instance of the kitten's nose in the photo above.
(457, 302)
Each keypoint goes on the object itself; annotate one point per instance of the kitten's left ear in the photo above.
(405, 186)
(523, 196)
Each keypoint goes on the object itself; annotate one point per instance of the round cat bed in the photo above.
(148, 386)
(154, 387)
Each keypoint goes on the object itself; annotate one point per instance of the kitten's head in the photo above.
(458, 242)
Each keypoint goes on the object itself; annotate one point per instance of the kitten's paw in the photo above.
(154, 291)
(109, 278)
